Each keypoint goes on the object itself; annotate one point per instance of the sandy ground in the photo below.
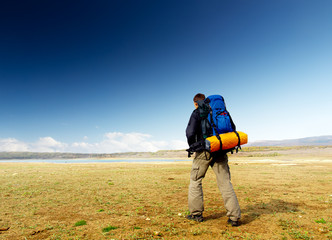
(280, 199)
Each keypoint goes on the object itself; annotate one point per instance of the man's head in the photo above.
(198, 96)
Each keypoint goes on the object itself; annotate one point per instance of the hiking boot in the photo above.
(233, 223)
(197, 218)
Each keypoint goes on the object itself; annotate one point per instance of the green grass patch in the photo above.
(109, 228)
(322, 220)
(80, 223)
(299, 235)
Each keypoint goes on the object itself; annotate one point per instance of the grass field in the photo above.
(279, 200)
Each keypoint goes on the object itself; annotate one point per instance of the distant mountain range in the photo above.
(178, 154)
(308, 141)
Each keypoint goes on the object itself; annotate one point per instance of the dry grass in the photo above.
(149, 201)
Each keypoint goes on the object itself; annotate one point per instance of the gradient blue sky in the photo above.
(110, 76)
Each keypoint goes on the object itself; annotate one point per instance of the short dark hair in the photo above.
(199, 96)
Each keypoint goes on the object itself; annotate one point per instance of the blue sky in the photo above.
(114, 76)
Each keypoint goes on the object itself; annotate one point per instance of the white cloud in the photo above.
(112, 142)
(126, 142)
(13, 145)
(177, 145)
(48, 144)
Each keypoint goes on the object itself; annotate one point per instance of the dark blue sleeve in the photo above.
(193, 128)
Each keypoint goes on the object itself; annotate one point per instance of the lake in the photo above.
(91, 160)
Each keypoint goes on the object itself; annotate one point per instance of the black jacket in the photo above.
(194, 128)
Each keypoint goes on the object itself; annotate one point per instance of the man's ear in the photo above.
(196, 104)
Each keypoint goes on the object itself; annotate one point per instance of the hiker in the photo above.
(201, 162)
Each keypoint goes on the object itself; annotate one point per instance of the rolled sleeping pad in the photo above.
(229, 140)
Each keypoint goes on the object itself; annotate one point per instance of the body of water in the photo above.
(91, 160)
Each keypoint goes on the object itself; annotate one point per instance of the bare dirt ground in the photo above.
(280, 198)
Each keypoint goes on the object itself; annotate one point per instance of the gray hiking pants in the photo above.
(219, 164)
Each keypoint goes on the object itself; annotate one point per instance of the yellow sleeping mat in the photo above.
(229, 140)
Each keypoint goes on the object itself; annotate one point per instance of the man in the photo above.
(202, 160)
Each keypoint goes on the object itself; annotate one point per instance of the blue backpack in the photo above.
(219, 117)
(215, 120)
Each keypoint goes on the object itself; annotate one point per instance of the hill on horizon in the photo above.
(300, 142)
(308, 141)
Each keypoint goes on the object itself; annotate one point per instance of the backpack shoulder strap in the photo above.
(204, 110)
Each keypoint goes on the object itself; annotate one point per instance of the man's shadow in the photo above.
(253, 211)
